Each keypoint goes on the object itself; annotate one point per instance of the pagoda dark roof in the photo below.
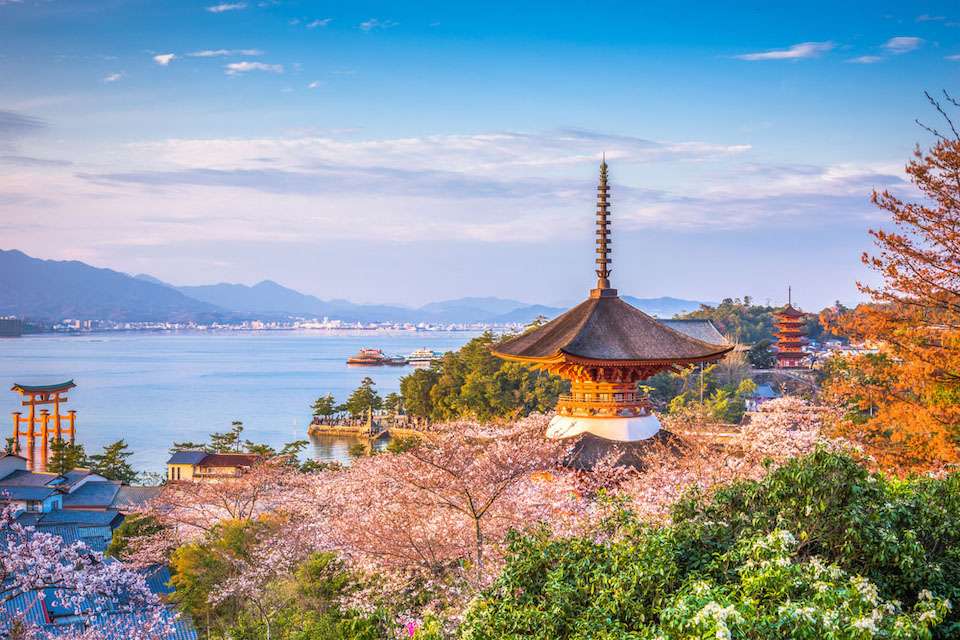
(605, 328)
(791, 312)
(699, 328)
(43, 388)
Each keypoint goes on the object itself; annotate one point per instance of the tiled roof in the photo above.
(133, 498)
(95, 537)
(229, 460)
(25, 493)
(607, 329)
(75, 476)
(95, 493)
(21, 478)
(187, 457)
(108, 518)
(703, 330)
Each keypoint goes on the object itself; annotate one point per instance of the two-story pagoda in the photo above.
(606, 347)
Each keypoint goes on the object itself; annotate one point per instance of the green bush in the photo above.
(820, 548)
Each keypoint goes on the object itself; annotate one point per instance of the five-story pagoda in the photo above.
(791, 327)
(605, 347)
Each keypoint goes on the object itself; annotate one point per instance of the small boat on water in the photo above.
(423, 357)
(375, 358)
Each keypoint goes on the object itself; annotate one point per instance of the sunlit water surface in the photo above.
(152, 389)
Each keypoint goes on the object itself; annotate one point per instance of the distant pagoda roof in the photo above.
(605, 330)
(790, 311)
(43, 388)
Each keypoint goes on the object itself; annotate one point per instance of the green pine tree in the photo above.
(365, 397)
(112, 463)
(66, 457)
(324, 406)
(228, 441)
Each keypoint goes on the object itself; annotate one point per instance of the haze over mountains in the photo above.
(49, 290)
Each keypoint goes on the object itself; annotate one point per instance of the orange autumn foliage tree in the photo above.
(905, 399)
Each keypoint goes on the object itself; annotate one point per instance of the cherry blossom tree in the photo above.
(189, 509)
(780, 429)
(33, 563)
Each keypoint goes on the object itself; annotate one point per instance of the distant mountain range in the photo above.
(49, 290)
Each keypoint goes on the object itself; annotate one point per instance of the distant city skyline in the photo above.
(385, 152)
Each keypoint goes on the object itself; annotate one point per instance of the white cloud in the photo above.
(164, 59)
(113, 77)
(227, 6)
(955, 56)
(374, 23)
(316, 84)
(235, 68)
(219, 53)
(902, 44)
(866, 59)
(929, 18)
(795, 52)
(319, 23)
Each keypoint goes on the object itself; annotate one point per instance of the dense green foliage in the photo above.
(112, 463)
(741, 320)
(717, 392)
(134, 526)
(820, 548)
(749, 323)
(303, 607)
(473, 383)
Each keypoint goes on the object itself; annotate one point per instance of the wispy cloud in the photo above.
(219, 53)
(929, 18)
(27, 161)
(902, 44)
(316, 84)
(227, 6)
(235, 68)
(866, 59)
(13, 124)
(375, 23)
(163, 59)
(319, 23)
(113, 77)
(796, 52)
(954, 57)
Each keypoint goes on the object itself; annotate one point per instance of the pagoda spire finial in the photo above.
(603, 235)
(789, 296)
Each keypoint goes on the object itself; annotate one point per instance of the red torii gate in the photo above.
(43, 425)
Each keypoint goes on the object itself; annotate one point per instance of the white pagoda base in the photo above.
(621, 429)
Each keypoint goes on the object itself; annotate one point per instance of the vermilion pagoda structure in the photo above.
(42, 425)
(790, 332)
(605, 347)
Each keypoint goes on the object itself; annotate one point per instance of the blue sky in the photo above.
(408, 152)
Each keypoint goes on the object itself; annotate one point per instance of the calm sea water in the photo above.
(154, 389)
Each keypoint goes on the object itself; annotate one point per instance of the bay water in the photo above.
(152, 389)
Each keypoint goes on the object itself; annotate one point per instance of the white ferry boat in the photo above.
(423, 357)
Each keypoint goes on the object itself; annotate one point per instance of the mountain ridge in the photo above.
(73, 289)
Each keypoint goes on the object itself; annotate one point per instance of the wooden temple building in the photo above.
(606, 347)
(42, 425)
(790, 335)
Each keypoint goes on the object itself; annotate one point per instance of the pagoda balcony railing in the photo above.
(578, 406)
